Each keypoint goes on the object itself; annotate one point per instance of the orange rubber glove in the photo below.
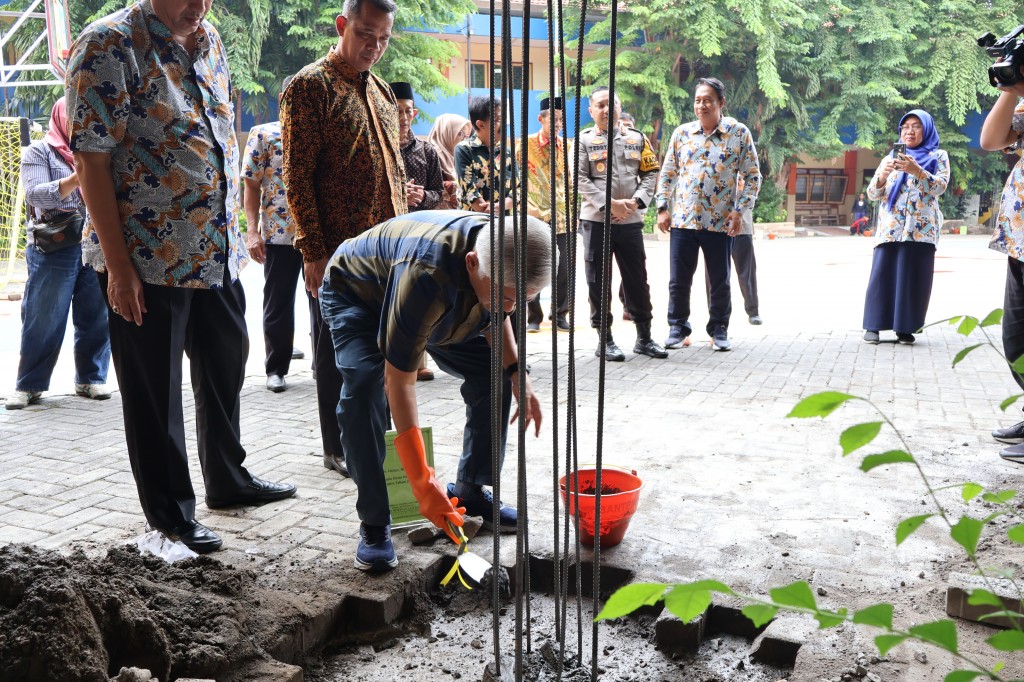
(433, 499)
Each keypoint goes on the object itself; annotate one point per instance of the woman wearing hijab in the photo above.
(58, 281)
(908, 185)
(448, 131)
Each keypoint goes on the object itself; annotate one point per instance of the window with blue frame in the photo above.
(478, 76)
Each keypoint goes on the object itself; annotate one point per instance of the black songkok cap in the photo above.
(545, 104)
(402, 90)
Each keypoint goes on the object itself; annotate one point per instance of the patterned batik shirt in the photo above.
(472, 160)
(538, 186)
(166, 119)
(411, 272)
(915, 217)
(698, 176)
(263, 156)
(1009, 235)
(342, 155)
(423, 167)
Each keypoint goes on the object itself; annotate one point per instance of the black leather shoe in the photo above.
(257, 492)
(275, 383)
(337, 463)
(1011, 434)
(297, 354)
(196, 537)
(649, 348)
(612, 353)
(562, 325)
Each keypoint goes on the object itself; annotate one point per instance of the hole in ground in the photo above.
(449, 635)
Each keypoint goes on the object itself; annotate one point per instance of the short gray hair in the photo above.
(352, 7)
(538, 253)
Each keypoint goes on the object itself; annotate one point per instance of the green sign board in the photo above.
(404, 507)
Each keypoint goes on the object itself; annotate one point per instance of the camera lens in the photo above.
(1006, 73)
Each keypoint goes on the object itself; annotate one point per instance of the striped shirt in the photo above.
(411, 270)
(42, 169)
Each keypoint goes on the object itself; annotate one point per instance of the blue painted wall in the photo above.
(480, 25)
(459, 104)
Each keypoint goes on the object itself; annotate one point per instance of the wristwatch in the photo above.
(512, 369)
(640, 203)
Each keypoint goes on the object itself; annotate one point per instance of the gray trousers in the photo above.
(745, 266)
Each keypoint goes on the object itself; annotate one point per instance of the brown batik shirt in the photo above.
(343, 167)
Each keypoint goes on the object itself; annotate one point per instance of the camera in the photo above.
(1009, 50)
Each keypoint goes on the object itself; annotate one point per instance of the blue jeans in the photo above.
(362, 408)
(57, 283)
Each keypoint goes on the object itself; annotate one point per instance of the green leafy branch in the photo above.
(965, 325)
(688, 601)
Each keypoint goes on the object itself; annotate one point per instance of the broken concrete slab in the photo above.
(673, 636)
(780, 642)
(959, 590)
(428, 534)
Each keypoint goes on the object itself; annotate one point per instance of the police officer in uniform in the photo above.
(634, 173)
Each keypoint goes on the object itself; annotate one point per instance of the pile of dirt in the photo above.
(76, 618)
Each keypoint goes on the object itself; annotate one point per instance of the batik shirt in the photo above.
(423, 167)
(342, 155)
(698, 175)
(915, 217)
(472, 159)
(1009, 235)
(538, 187)
(166, 119)
(410, 272)
(263, 155)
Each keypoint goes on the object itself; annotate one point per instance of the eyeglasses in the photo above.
(911, 127)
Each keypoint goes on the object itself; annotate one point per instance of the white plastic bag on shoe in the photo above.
(158, 544)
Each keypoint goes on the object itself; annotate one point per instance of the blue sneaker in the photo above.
(375, 552)
(482, 504)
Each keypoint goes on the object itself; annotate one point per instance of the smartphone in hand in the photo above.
(898, 149)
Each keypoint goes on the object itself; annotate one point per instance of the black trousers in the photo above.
(900, 287)
(327, 377)
(684, 248)
(1013, 313)
(209, 326)
(280, 274)
(746, 272)
(559, 308)
(627, 245)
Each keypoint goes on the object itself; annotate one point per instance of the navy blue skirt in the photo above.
(900, 287)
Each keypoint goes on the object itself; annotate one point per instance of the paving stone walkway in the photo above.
(734, 489)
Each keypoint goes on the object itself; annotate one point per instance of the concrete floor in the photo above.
(734, 489)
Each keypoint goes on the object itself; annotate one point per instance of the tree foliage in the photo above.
(267, 40)
(805, 75)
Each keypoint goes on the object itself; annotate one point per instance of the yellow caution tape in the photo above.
(463, 545)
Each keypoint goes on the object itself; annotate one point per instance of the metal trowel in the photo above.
(471, 568)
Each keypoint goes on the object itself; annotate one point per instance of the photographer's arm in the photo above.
(997, 132)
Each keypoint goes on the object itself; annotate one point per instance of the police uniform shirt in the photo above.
(634, 171)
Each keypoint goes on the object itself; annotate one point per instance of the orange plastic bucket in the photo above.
(617, 508)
